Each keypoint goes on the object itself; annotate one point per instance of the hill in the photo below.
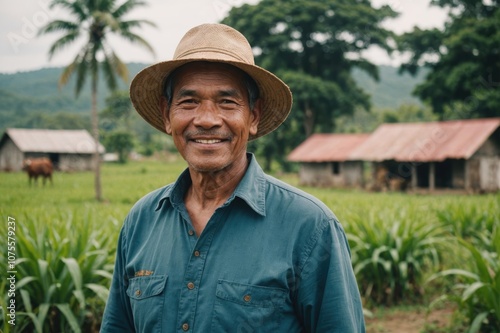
(35, 93)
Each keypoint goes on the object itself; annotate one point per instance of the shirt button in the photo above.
(247, 298)
(137, 293)
(190, 285)
(191, 232)
(196, 253)
(185, 326)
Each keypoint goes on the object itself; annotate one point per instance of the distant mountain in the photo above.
(37, 92)
(393, 89)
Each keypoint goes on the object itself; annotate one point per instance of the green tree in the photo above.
(463, 58)
(313, 45)
(118, 110)
(121, 142)
(95, 21)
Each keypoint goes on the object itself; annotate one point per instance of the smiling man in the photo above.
(226, 248)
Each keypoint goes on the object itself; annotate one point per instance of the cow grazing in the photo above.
(38, 167)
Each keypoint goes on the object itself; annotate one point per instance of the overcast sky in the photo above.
(22, 50)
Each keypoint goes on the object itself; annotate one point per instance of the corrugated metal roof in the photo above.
(53, 141)
(327, 147)
(426, 142)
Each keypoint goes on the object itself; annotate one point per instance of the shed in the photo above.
(69, 150)
(458, 154)
(324, 160)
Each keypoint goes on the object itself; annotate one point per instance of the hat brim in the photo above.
(146, 91)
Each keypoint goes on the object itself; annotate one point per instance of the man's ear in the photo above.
(255, 117)
(164, 107)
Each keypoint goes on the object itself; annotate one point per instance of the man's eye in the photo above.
(187, 101)
(228, 101)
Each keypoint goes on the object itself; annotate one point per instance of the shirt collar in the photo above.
(251, 188)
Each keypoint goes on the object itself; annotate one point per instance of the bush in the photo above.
(64, 268)
(477, 288)
(391, 253)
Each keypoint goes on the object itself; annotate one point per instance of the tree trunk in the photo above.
(95, 130)
(308, 120)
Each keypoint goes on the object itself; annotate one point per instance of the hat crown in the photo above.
(214, 41)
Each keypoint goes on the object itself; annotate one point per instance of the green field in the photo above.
(66, 241)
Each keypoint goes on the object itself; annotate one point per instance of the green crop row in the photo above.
(405, 249)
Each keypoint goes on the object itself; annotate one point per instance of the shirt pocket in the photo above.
(147, 296)
(247, 308)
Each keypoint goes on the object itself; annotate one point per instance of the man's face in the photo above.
(209, 116)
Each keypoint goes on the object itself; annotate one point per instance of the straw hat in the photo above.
(215, 43)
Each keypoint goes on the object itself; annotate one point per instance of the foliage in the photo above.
(477, 291)
(117, 112)
(96, 20)
(121, 142)
(367, 121)
(391, 253)
(296, 39)
(61, 267)
(471, 223)
(463, 59)
(69, 209)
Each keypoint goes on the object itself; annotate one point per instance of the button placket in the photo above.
(193, 273)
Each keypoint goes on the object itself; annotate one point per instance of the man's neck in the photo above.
(209, 190)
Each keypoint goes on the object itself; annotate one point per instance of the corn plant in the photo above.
(64, 264)
(469, 221)
(477, 289)
(391, 253)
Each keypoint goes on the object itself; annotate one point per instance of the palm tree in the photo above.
(95, 20)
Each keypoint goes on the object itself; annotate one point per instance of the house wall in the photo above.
(321, 174)
(484, 166)
(75, 162)
(11, 158)
(353, 173)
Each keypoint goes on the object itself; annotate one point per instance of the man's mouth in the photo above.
(207, 141)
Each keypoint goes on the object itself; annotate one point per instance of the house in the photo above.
(324, 160)
(458, 154)
(69, 150)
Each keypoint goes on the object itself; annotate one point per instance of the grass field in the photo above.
(398, 240)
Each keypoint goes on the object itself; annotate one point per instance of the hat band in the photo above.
(213, 50)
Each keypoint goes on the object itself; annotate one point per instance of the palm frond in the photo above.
(125, 7)
(62, 42)
(127, 25)
(75, 7)
(109, 74)
(68, 71)
(58, 25)
(82, 66)
(119, 67)
(136, 39)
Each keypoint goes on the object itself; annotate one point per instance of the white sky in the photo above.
(22, 50)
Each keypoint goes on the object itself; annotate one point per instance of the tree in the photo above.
(95, 20)
(463, 58)
(121, 142)
(313, 45)
(118, 110)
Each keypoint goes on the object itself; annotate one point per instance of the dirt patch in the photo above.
(407, 321)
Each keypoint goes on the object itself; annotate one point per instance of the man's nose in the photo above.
(208, 115)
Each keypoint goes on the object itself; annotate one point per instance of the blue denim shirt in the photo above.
(271, 259)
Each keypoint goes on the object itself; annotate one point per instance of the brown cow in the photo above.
(38, 167)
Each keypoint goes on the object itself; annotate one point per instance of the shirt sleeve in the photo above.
(118, 314)
(328, 298)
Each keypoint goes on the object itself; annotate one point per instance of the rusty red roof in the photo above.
(426, 142)
(327, 147)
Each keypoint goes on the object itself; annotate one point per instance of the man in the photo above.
(226, 248)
